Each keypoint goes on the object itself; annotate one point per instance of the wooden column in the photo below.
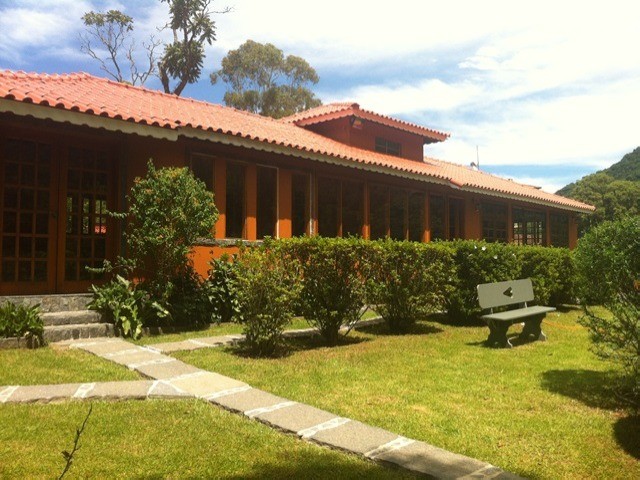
(251, 205)
(220, 189)
(284, 203)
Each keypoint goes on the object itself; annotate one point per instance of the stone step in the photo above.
(59, 333)
(52, 303)
(71, 317)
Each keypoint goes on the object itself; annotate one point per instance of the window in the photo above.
(416, 217)
(202, 168)
(235, 197)
(387, 146)
(559, 225)
(267, 208)
(352, 208)
(328, 206)
(494, 223)
(528, 227)
(456, 218)
(397, 211)
(378, 212)
(437, 217)
(299, 204)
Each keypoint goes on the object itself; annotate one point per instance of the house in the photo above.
(71, 146)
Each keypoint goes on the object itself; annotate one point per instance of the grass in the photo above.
(163, 439)
(48, 366)
(541, 410)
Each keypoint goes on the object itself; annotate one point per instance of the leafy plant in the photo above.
(407, 280)
(125, 304)
(267, 287)
(222, 289)
(21, 321)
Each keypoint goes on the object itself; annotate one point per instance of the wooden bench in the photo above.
(506, 294)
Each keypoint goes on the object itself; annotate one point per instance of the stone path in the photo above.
(172, 378)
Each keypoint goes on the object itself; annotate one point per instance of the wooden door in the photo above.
(28, 220)
(85, 231)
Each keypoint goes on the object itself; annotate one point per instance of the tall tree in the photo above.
(260, 79)
(112, 30)
(192, 26)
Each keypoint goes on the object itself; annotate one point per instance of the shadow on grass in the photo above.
(627, 434)
(317, 467)
(419, 328)
(587, 386)
(299, 344)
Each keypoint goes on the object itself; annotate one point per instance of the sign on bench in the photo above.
(508, 294)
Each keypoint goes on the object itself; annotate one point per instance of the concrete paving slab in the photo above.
(132, 358)
(102, 347)
(171, 347)
(424, 458)
(354, 437)
(218, 341)
(296, 418)
(161, 389)
(132, 390)
(206, 384)
(252, 401)
(44, 393)
(164, 371)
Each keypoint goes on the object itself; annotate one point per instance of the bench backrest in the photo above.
(500, 294)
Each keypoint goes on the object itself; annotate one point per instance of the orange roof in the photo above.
(333, 111)
(99, 97)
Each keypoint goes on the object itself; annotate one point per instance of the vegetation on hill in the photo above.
(615, 191)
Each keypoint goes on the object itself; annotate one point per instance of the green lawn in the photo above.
(48, 365)
(163, 439)
(541, 410)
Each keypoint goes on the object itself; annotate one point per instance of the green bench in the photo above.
(508, 294)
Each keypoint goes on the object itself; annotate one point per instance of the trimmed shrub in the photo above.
(477, 262)
(22, 321)
(333, 287)
(221, 288)
(552, 272)
(407, 280)
(267, 288)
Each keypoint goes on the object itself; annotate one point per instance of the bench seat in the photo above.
(518, 314)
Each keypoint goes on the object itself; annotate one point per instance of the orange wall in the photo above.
(365, 137)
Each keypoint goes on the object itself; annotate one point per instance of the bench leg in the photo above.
(498, 334)
(533, 330)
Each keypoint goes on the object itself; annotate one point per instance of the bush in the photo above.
(21, 321)
(333, 287)
(267, 288)
(608, 265)
(125, 305)
(407, 280)
(616, 338)
(552, 272)
(221, 289)
(477, 262)
(169, 210)
(608, 261)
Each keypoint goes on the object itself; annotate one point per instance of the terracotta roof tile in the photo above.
(101, 97)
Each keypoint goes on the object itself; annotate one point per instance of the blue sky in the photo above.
(548, 91)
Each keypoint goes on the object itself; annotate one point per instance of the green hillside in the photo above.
(615, 191)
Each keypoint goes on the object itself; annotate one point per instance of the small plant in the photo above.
(221, 289)
(267, 288)
(22, 321)
(69, 455)
(125, 305)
